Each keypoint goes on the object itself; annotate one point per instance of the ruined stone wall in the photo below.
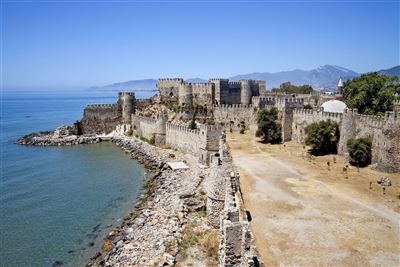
(169, 89)
(143, 126)
(303, 117)
(100, 118)
(220, 87)
(236, 247)
(235, 116)
(230, 93)
(383, 131)
(315, 99)
(185, 139)
(200, 142)
(203, 94)
(103, 118)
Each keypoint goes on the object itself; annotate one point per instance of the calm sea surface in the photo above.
(57, 203)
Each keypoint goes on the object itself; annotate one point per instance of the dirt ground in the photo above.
(306, 215)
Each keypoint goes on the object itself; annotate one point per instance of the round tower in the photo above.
(245, 92)
(126, 101)
(161, 128)
(186, 94)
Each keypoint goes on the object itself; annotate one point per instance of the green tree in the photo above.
(360, 151)
(268, 129)
(371, 93)
(323, 137)
(289, 88)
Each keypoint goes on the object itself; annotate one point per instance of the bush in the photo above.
(129, 132)
(360, 151)
(268, 129)
(307, 106)
(193, 124)
(152, 140)
(323, 137)
(242, 131)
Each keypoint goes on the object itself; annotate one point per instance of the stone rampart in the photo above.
(100, 118)
(143, 126)
(235, 116)
(236, 247)
(383, 131)
(303, 117)
(184, 139)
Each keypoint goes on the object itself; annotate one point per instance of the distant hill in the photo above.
(322, 78)
(395, 71)
(135, 85)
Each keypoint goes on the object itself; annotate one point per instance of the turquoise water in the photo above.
(57, 203)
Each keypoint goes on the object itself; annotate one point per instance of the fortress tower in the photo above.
(126, 104)
(186, 94)
(161, 128)
(246, 92)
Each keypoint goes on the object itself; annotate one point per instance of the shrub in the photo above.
(192, 124)
(242, 131)
(268, 129)
(323, 137)
(152, 140)
(307, 106)
(129, 132)
(360, 151)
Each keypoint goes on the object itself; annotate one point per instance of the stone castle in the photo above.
(234, 105)
(214, 92)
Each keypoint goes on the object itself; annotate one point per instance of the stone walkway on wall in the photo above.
(303, 220)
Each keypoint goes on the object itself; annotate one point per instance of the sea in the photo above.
(58, 203)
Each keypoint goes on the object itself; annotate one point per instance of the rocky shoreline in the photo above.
(62, 136)
(151, 234)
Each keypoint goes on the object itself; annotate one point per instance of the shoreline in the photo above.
(143, 235)
(184, 216)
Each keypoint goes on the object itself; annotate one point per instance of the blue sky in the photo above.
(70, 44)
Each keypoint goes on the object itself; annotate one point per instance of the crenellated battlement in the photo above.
(233, 106)
(317, 112)
(101, 106)
(374, 120)
(235, 83)
(182, 128)
(171, 79)
(218, 80)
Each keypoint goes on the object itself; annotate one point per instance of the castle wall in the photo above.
(303, 117)
(185, 139)
(203, 94)
(220, 88)
(100, 118)
(384, 133)
(169, 89)
(230, 93)
(143, 126)
(235, 116)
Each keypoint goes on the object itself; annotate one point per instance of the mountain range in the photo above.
(322, 78)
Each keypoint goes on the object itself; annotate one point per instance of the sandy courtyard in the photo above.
(306, 215)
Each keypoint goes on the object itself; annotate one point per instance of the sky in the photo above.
(77, 44)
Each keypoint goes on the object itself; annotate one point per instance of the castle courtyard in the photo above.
(306, 212)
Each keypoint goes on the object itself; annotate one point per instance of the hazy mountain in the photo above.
(135, 85)
(324, 77)
(395, 71)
